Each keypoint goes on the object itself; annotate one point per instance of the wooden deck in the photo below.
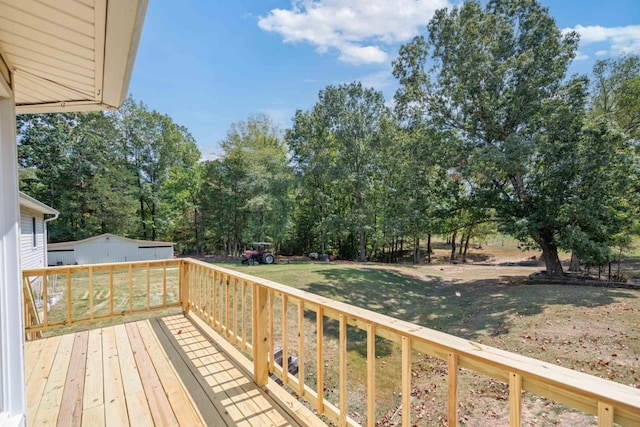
(157, 372)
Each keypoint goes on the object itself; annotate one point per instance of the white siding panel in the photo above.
(61, 257)
(153, 253)
(30, 256)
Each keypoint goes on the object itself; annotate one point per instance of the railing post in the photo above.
(259, 327)
(184, 286)
(515, 400)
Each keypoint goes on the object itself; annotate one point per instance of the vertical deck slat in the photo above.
(130, 288)
(406, 381)
(235, 311)
(515, 400)
(243, 311)
(226, 304)
(371, 375)
(215, 300)
(45, 301)
(164, 283)
(452, 389)
(91, 314)
(148, 286)
(342, 345)
(320, 359)
(605, 415)
(111, 297)
(285, 340)
(271, 331)
(70, 298)
(301, 361)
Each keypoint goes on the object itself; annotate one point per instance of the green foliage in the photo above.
(247, 195)
(105, 171)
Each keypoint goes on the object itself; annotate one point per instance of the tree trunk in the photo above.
(363, 246)
(453, 246)
(462, 238)
(466, 248)
(550, 256)
(574, 265)
(429, 247)
(416, 250)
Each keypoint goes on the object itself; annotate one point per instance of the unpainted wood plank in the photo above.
(114, 401)
(32, 351)
(342, 380)
(452, 389)
(286, 400)
(93, 402)
(37, 377)
(71, 408)
(219, 373)
(136, 400)
(227, 379)
(47, 414)
(184, 408)
(199, 392)
(161, 410)
(515, 400)
(371, 375)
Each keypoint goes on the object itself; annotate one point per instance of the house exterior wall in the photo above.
(32, 256)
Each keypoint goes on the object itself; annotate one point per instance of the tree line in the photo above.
(487, 133)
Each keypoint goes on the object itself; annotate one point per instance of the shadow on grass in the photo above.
(468, 310)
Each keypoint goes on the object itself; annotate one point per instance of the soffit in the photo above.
(69, 55)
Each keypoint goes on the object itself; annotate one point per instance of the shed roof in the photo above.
(110, 236)
(69, 55)
(31, 203)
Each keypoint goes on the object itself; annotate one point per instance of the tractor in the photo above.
(261, 255)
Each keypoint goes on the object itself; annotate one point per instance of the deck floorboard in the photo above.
(155, 372)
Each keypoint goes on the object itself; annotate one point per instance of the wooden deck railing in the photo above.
(82, 293)
(233, 303)
(254, 314)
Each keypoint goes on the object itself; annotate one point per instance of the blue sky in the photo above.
(209, 64)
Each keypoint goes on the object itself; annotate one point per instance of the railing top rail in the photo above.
(529, 368)
(96, 267)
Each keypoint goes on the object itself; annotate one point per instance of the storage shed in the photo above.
(107, 248)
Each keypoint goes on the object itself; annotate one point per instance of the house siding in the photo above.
(31, 256)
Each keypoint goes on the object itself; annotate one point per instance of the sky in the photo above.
(209, 64)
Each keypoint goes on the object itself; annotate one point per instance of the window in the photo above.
(34, 233)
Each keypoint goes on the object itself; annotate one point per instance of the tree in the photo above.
(70, 162)
(496, 79)
(616, 94)
(338, 147)
(251, 184)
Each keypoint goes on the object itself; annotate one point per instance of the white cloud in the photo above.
(622, 40)
(602, 53)
(357, 29)
(581, 56)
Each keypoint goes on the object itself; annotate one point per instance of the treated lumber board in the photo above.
(136, 400)
(71, 409)
(93, 402)
(210, 408)
(37, 378)
(185, 409)
(158, 402)
(47, 413)
(32, 352)
(246, 401)
(114, 400)
(300, 413)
